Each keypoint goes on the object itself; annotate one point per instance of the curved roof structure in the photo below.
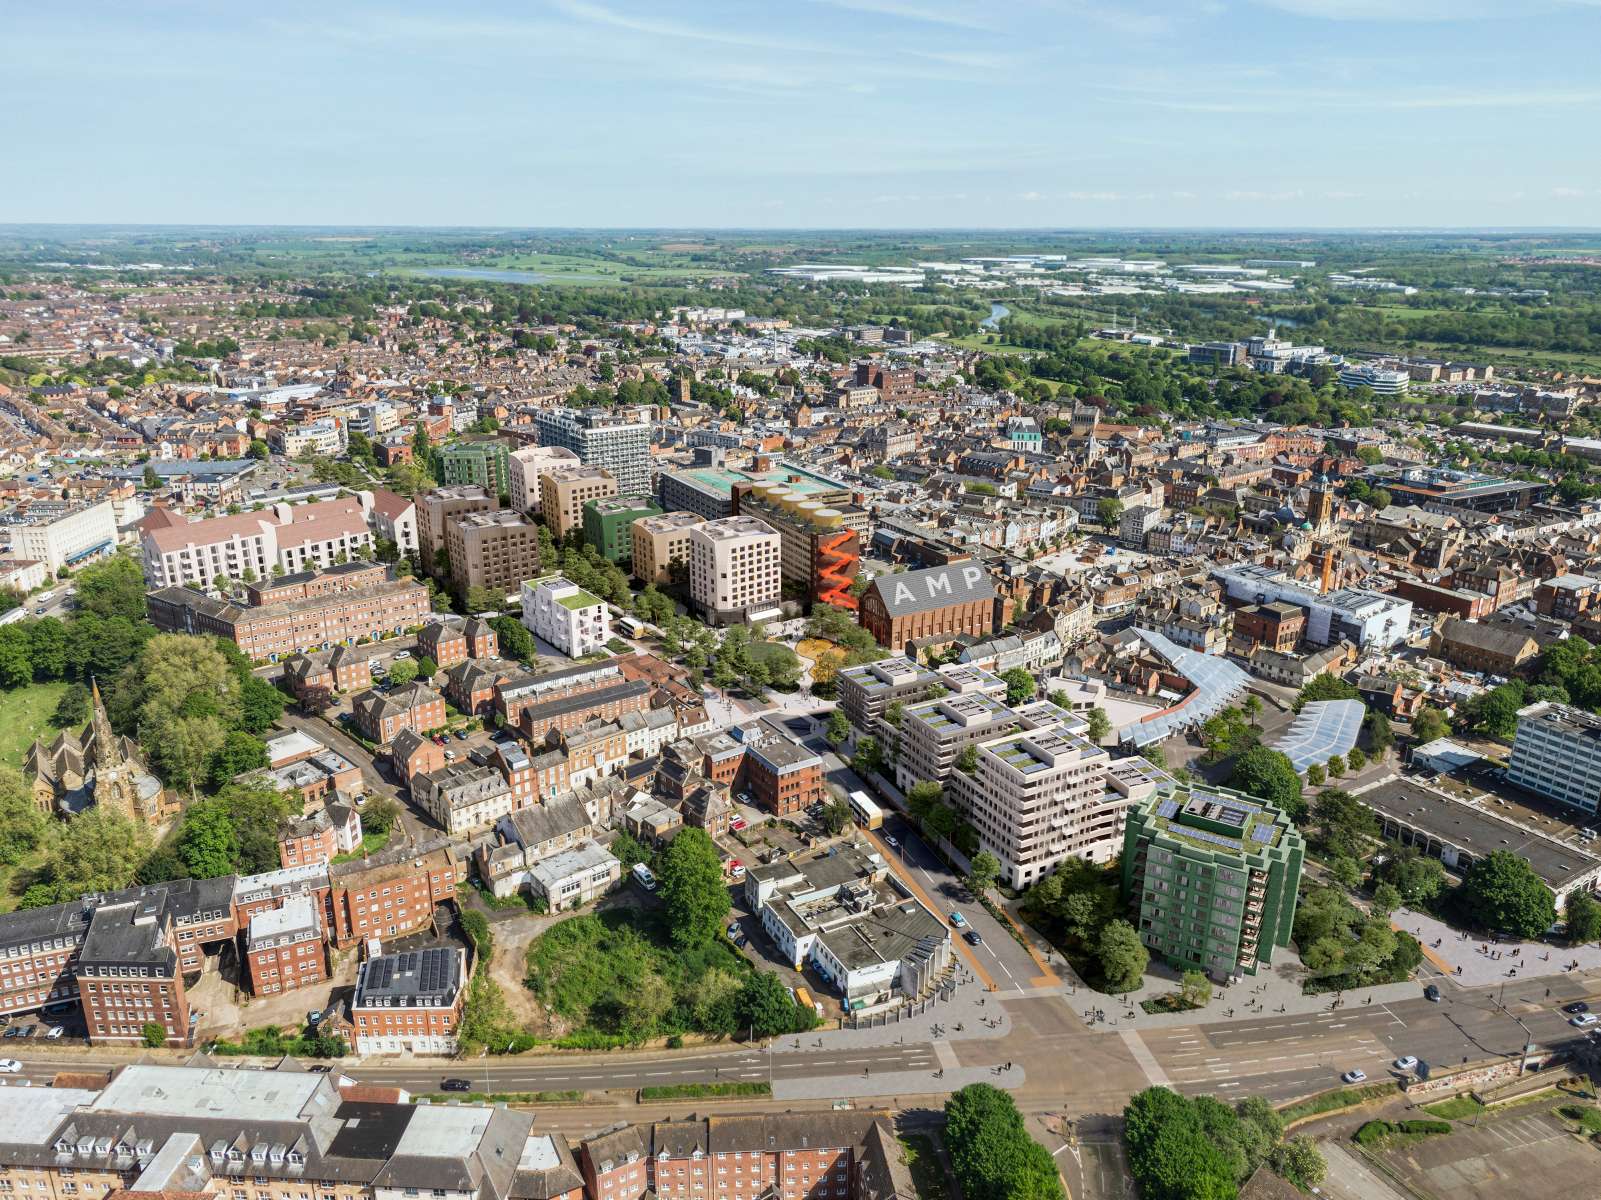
(1323, 729)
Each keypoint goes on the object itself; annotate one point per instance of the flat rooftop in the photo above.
(1470, 828)
(243, 1096)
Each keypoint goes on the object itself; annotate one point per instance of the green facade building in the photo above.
(1211, 879)
(608, 524)
(483, 463)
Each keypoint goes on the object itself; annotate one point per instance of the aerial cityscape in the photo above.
(971, 608)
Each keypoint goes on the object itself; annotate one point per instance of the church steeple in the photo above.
(107, 748)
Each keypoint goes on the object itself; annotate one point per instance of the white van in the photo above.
(644, 877)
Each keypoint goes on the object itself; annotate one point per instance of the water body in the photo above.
(498, 275)
(1287, 322)
(993, 321)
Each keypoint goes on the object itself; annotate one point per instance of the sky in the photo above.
(805, 113)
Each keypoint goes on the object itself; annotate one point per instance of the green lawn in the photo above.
(1458, 1108)
(24, 716)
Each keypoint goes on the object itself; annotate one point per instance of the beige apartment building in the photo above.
(659, 542)
(528, 465)
(734, 568)
(564, 491)
(496, 550)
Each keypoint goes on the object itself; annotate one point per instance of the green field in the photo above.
(24, 716)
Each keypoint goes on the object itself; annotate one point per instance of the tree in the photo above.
(1195, 989)
(1315, 774)
(692, 888)
(1253, 708)
(1429, 725)
(1335, 766)
(1326, 687)
(16, 657)
(1170, 1153)
(983, 872)
(402, 671)
(515, 640)
(22, 826)
(1502, 894)
(839, 728)
(1122, 956)
(206, 844)
(1020, 686)
(1380, 736)
(155, 1036)
(239, 752)
(869, 757)
(72, 710)
(113, 587)
(1583, 915)
(1355, 760)
(1418, 877)
(1386, 899)
(1108, 511)
(967, 760)
(380, 815)
(1268, 775)
(992, 1154)
(98, 851)
(763, 1005)
(260, 704)
(185, 746)
(427, 668)
(1300, 1161)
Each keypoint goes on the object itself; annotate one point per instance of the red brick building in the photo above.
(414, 706)
(284, 948)
(445, 644)
(959, 598)
(569, 712)
(410, 1002)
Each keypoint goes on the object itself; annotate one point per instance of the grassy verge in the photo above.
(1327, 1102)
(371, 843)
(1390, 1134)
(699, 1091)
(1586, 1116)
(24, 716)
(1458, 1108)
(922, 1159)
(568, 1097)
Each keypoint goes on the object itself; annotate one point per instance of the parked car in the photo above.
(1356, 1075)
(1406, 1062)
(400, 654)
(461, 735)
(891, 842)
(12, 1031)
(1583, 1020)
(1578, 1006)
(455, 1084)
(54, 1032)
(439, 739)
(9, 1066)
(1432, 993)
(29, 1030)
(737, 824)
(59, 1009)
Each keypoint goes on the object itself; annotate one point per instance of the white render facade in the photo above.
(61, 538)
(734, 567)
(563, 614)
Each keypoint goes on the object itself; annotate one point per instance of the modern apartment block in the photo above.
(659, 542)
(284, 538)
(932, 735)
(63, 534)
(485, 463)
(438, 508)
(1210, 877)
(866, 691)
(1044, 793)
(527, 464)
(608, 524)
(495, 550)
(1557, 754)
(565, 615)
(734, 569)
(604, 439)
(563, 492)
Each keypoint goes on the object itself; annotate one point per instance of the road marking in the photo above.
(1143, 1056)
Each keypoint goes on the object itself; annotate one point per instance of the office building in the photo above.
(660, 542)
(484, 463)
(734, 569)
(62, 534)
(563, 492)
(1370, 620)
(781, 775)
(436, 509)
(709, 490)
(1378, 380)
(284, 947)
(1210, 877)
(600, 438)
(527, 464)
(410, 1003)
(608, 524)
(563, 614)
(1557, 754)
(494, 550)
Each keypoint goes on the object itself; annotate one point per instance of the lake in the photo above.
(997, 311)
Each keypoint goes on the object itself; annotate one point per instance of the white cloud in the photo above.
(910, 12)
(1568, 192)
(1095, 197)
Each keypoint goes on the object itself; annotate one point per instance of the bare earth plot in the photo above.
(1523, 1152)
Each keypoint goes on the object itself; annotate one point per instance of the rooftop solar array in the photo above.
(1168, 809)
(1262, 833)
(1211, 839)
(1216, 682)
(1324, 729)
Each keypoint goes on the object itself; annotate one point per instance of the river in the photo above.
(993, 321)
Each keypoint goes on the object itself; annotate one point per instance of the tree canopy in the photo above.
(692, 887)
(1501, 894)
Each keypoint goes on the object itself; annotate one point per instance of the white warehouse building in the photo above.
(1371, 620)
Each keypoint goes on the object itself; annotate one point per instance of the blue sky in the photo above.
(805, 113)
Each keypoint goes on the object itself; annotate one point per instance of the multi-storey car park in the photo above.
(1210, 877)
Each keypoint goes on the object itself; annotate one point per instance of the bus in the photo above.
(868, 815)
